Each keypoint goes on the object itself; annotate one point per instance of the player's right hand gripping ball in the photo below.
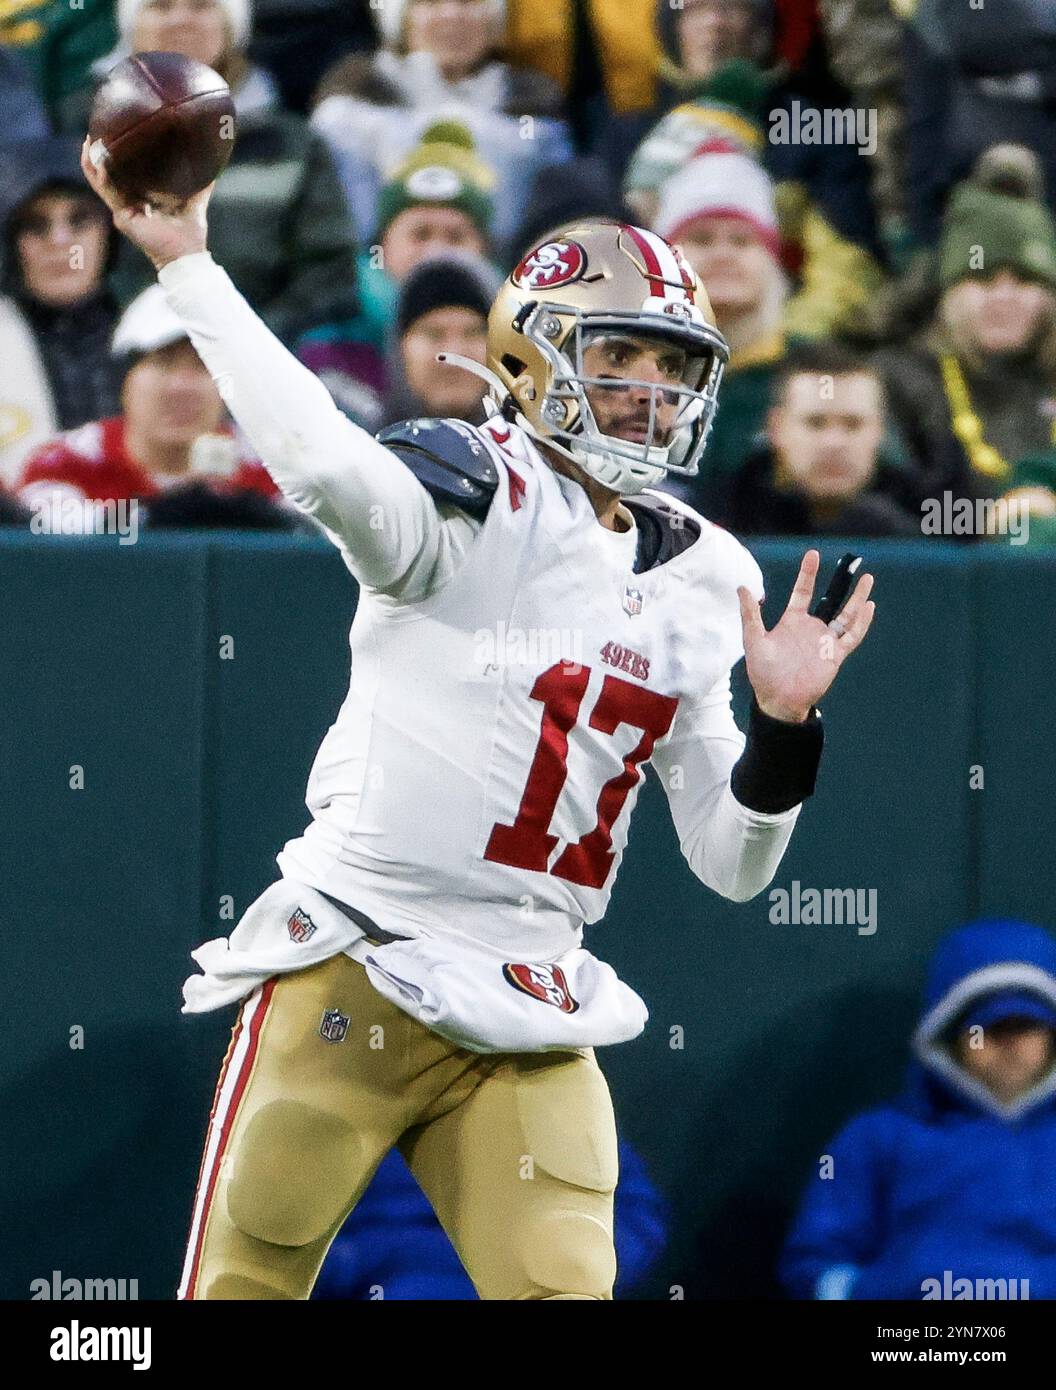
(162, 123)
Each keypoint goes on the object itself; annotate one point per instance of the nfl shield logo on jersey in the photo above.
(334, 1026)
(300, 926)
(632, 601)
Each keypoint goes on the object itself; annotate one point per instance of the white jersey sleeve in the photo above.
(733, 850)
(392, 535)
(728, 847)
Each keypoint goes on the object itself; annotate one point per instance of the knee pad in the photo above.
(569, 1254)
(568, 1128)
(293, 1174)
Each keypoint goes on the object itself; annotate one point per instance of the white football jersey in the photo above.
(511, 678)
(481, 774)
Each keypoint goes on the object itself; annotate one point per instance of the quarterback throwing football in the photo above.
(534, 626)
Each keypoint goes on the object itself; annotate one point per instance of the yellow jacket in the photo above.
(22, 21)
(838, 279)
(540, 35)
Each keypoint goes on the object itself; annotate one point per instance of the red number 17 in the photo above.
(527, 843)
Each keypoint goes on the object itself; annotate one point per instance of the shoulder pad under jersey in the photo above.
(666, 532)
(448, 459)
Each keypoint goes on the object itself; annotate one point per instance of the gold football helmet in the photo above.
(604, 281)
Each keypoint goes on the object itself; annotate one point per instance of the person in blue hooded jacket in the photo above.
(948, 1192)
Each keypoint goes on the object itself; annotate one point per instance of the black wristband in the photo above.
(779, 764)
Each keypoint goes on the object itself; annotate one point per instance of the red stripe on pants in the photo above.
(245, 1070)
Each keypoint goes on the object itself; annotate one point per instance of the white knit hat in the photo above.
(238, 12)
(719, 183)
(391, 15)
(147, 324)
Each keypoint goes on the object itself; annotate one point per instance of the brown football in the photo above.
(162, 123)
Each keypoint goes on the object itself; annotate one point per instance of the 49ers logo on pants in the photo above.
(543, 982)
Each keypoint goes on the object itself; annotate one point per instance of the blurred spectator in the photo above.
(720, 209)
(297, 40)
(953, 1180)
(699, 36)
(443, 307)
(297, 268)
(393, 1244)
(831, 55)
(171, 447)
(974, 76)
(603, 54)
(57, 40)
(976, 390)
(74, 36)
(900, 309)
(438, 200)
(21, 110)
(564, 193)
(726, 111)
(821, 470)
(353, 370)
(56, 313)
(438, 61)
(836, 276)
(22, 24)
(703, 38)
(864, 41)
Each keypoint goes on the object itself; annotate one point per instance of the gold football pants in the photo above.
(516, 1152)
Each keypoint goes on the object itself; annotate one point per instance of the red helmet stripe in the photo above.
(675, 278)
(652, 264)
(687, 275)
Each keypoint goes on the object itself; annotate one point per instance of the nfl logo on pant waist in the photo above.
(334, 1026)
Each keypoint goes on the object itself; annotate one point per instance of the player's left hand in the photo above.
(791, 666)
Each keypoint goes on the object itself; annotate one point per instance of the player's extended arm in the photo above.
(385, 522)
(328, 466)
(734, 800)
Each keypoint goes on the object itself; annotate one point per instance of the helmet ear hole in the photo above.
(521, 391)
(513, 365)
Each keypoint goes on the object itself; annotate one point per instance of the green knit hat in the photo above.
(444, 170)
(997, 221)
(727, 107)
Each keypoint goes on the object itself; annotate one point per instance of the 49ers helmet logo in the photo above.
(553, 264)
(543, 982)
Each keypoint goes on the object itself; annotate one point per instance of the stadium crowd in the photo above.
(865, 188)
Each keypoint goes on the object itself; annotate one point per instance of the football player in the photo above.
(534, 626)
